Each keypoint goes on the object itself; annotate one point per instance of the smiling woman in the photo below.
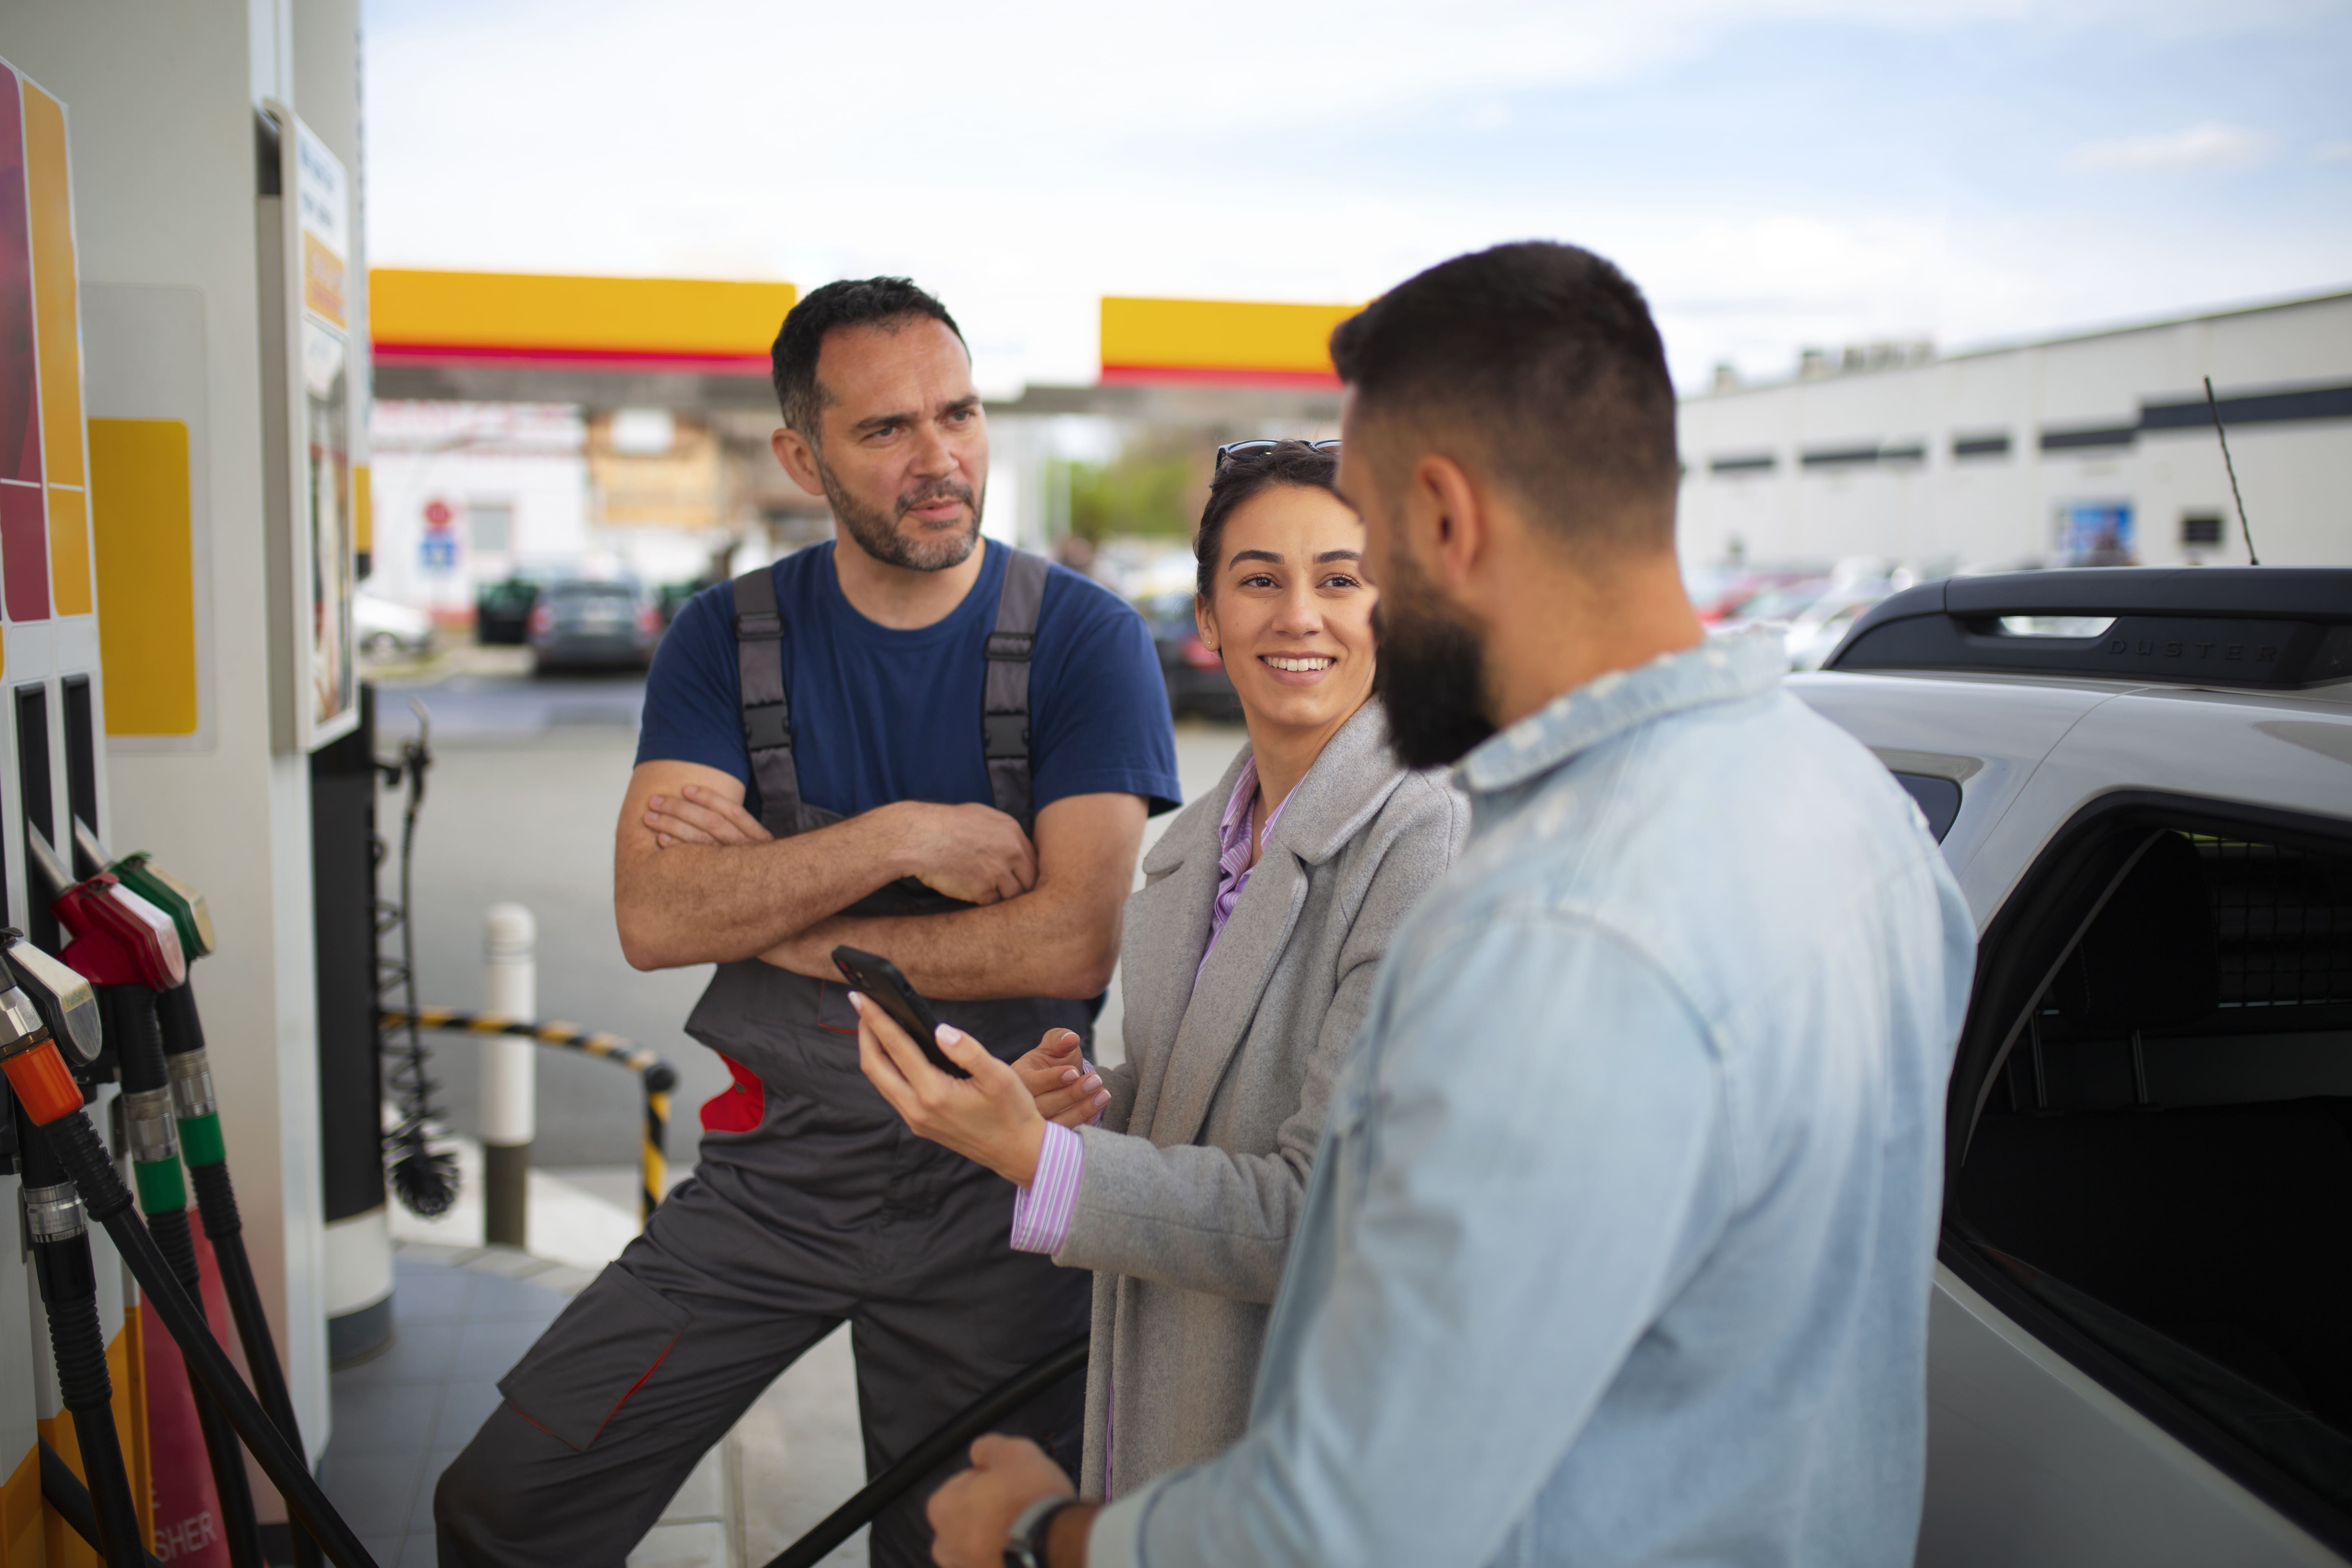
(1284, 600)
(1246, 964)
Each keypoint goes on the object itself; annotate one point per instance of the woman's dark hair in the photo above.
(1286, 463)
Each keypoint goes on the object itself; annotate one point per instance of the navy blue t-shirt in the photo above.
(882, 715)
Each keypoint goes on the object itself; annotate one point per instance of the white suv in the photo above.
(2140, 1344)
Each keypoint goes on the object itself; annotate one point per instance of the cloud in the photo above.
(2209, 145)
(1025, 160)
(2331, 152)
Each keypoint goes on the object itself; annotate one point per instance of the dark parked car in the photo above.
(1195, 674)
(591, 624)
(502, 611)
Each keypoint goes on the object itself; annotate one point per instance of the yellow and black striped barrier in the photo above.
(656, 1074)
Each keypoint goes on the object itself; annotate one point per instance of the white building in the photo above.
(466, 492)
(2079, 450)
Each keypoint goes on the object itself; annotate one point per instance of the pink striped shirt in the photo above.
(1043, 1210)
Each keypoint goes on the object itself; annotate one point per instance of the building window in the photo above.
(1744, 463)
(1995, 446)
(2250, 408)
(2081, 439)
(1841, 456)
(490, 527)
(2200, 530)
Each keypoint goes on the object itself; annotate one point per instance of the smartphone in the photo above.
(879, 980)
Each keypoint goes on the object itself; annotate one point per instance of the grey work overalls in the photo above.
(826, 1209)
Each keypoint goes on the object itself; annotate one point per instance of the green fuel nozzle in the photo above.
(139, 872)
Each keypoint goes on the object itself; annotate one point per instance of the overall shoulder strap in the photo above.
(1005, 702)
(767, 711)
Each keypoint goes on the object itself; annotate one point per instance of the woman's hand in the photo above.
(1056, 1076)
(990, 1117)
(697, 817)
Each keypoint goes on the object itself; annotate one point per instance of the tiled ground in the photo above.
(402, 1416)
(463, 1316)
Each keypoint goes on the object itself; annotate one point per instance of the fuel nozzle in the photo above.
(29, 1057)
(119, 937)
(139, 872)
(63, 998)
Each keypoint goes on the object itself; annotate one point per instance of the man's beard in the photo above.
(879, 536)
(1432, 675)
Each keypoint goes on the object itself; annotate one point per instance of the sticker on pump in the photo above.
(167, 935)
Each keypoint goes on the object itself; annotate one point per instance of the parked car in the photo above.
(1726, 598)
(671, 597)
(594, 624)
(1194, 671)
(2140, 1331)
(1818, 629)
(502, 611)
(386, 630)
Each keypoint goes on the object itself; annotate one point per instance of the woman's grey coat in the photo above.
(1187, 1225)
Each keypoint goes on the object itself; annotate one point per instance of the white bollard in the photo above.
(510, 976)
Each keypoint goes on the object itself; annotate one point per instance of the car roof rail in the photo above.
(2272, 628)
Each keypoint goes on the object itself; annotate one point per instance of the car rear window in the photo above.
(602, 596)
(2165, 1158)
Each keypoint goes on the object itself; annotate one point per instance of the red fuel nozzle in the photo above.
(119, 938)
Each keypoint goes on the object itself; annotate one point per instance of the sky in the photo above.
(1774, 174)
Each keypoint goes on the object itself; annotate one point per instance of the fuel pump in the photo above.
(50, 1103)
(201, 1146)
(58, 1238)
(129, 950)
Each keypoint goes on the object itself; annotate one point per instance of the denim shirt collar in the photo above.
(1719, 670)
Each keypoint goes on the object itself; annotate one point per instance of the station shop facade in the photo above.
(2097, 448)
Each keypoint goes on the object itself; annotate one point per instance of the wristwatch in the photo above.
(1026, 1548)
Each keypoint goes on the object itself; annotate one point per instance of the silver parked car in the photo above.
(2140, 1340)
(594, 624)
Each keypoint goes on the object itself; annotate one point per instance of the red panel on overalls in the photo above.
(739, 1107)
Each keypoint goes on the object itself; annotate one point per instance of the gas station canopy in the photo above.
(694, 343)
(497, 337)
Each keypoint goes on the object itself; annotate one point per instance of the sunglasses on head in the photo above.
(1259, 448)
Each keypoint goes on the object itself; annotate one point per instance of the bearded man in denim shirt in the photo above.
(1620, 1237)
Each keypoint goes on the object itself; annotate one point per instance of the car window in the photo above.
(1938, 798)
(2164, 1159)
(1170, 606)
(599, 596)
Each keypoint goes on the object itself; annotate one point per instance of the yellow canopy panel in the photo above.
(644, 323)
(1219, 340)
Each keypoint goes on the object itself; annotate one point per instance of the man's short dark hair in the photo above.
(1542, 360)
(848, 302)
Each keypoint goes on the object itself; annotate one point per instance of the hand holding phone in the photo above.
(880, 981)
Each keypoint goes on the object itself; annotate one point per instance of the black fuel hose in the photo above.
(84, 1155)
(131, 1023)
(63, 1490)
(181, 1056)
(928, 1455)
(59, 1239)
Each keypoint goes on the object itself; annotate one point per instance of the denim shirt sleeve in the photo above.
(1464, 1335)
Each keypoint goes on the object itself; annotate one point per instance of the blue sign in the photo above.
(438, 551)
(2096, 533)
